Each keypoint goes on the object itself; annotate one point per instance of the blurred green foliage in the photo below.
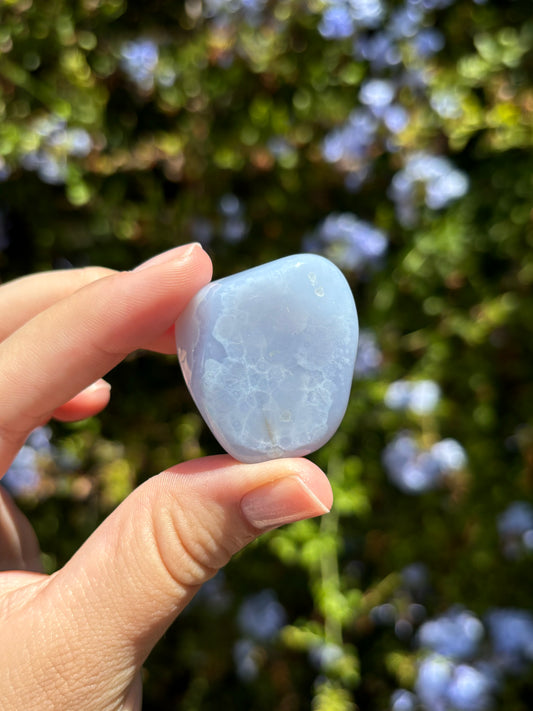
(127, 128)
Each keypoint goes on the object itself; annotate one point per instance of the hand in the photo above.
(77, 639)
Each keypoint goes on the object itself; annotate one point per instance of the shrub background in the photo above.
(395, 138)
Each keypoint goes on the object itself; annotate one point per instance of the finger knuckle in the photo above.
(187, 548)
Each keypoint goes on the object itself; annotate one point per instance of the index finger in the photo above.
(77, 340)
(23, 298)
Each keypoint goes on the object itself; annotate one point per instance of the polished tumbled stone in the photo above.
(268, 356)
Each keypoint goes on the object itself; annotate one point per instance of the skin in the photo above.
(77, 639)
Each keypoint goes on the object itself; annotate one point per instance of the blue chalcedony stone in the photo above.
(268, 356)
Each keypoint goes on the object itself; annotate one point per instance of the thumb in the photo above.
(134, 575)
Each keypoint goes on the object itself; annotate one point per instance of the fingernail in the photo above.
(176, 252)
(282, 501)
(97, 385)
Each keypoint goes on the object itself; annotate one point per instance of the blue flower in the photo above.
(377, 94)
(516, 520)
(449, 454)
(511, 632)
(325, 655)
(435, 4)
(79, 142)
(442, 685)
(446, 103)
(420, 397)
(50, 169)
(515, 526)
(341, 18)
(139, 60)
(395, 118)
(351, 142)
(415, 578)
(405, 22)
(432, 681)
(424, 397)
(57, 143)
(414, 470)
(442, 184)
(261, 616)
(336, 23)
(380, 50)
(214, 595)
(369, 356)
(72, 141)
(234, 226)
(39, 440)
(5, 172)
(403, 700)
(348, 241)
(230, 205)
(219, 9)
(24, 475)
(245, 658)
(456, 634)
(428, 41)
(202, 230)
(470, 689)
(367, 13)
